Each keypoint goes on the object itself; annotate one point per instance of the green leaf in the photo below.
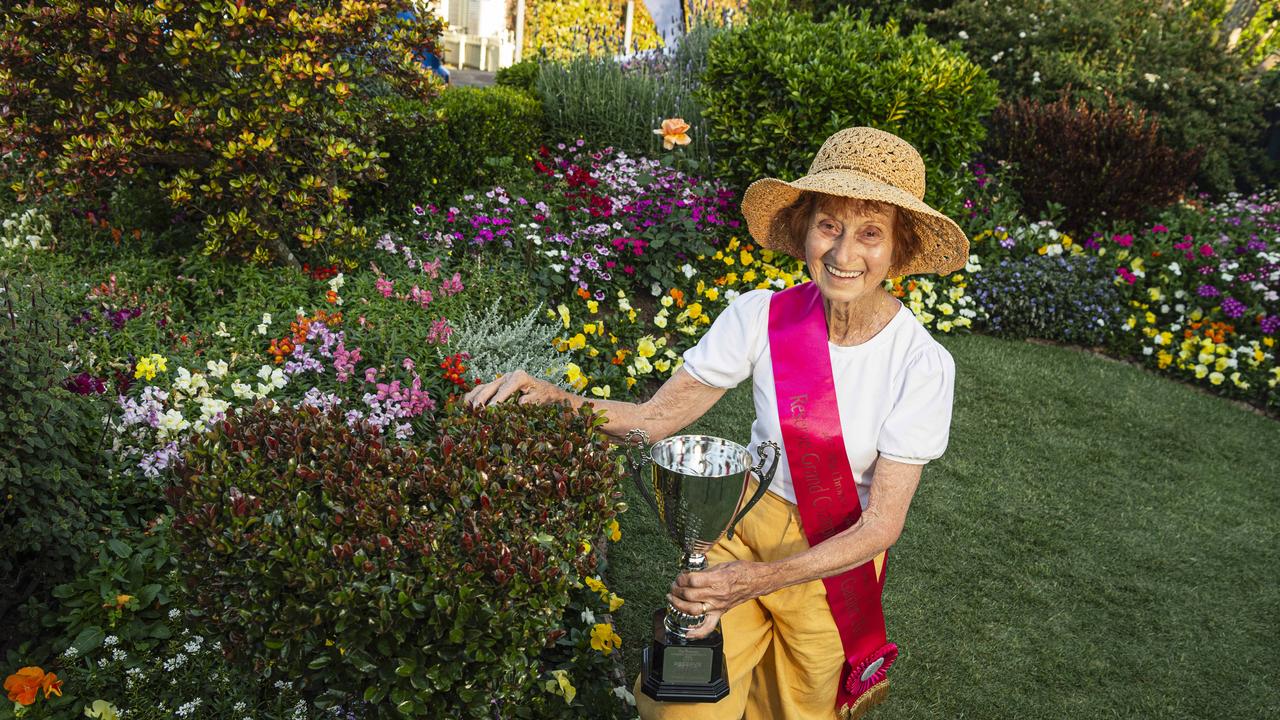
(89, 639)
(119, 548)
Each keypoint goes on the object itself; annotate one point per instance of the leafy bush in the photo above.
(466, 138)
(53, 467)
(521, 76)
(1096, 162)
(777, 88)
(424, 578)
(243, 116)
(1161, 57)
(1069, 298)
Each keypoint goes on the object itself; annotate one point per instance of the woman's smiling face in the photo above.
(849, 249)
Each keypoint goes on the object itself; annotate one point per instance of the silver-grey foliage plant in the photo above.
(497, 344)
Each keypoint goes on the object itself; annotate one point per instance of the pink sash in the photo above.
(825, 487)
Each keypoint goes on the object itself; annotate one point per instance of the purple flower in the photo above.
(1207, 291)
(1270, 324)
(1233, 308)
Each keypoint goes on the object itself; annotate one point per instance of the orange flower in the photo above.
(582, 293)
(679, 297)
(674, 131)
(51, 685)
(22, 685)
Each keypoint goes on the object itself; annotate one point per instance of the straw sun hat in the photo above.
(868, 164)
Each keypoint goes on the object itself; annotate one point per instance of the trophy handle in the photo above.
(638, 440)
(765, 479)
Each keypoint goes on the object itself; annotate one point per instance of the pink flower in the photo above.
(420, 296)
(1129, 277)
(1206, 250)
(371, 374)
(431, 268)
(1123, 240)
(1159, 229)
(440, 332)
(453, 285)
(408, 364)
(384, 286)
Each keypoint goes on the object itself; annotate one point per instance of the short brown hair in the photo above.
(793, 221)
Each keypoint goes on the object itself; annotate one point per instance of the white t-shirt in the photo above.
(894, 391)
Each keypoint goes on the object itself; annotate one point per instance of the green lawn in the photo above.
(1098, 542)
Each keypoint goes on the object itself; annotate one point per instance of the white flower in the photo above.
(688, 270)
(264, 372)
(188, 708)
(964, 35)
(655, 289)
(110, 641)
(1035, 77)
(241, 390)
(624, 694)
(218, 369)
(588, 617)
(174, 614)
(336, 283)
(266, 322)
(1022, 34)
(172, 423)
(222, 330)
(1150, 77)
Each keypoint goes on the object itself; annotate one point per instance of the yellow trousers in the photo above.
(782, 651)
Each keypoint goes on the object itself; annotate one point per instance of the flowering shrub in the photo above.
(240, 113)
(1061, 297)
(424, 578)
(1199, 288)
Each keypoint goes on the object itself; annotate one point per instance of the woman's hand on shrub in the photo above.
(519, 382)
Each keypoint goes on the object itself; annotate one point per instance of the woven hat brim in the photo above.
(944, 248)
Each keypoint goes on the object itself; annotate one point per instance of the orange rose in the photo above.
(674, 131)
(22, 685)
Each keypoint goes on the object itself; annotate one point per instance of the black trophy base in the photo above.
(692, 671)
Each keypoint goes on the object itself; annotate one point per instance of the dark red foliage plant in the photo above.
(423, 577)
(1100, 163)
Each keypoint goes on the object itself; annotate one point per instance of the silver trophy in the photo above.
(696, 484)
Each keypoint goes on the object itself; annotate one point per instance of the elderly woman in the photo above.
(860, 397)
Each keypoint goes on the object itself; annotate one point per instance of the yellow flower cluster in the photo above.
(940, 304)
(612, 600)
(559, 684)
(1200, 348)
(150, 365)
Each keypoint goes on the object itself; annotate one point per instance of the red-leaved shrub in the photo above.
(1100, 163)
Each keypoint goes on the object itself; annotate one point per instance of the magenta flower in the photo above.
(1128, 276)
(1206, 250)
(1125, 240)
(384, 286)
(453, 285)
(420, 296)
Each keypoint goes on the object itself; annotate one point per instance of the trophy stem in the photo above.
(679, 623)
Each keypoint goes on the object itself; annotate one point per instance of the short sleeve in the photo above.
(726, 354)
(919, 424)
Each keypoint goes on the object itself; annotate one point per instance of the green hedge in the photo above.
(54, 493)
(775, 89)
(466, 138)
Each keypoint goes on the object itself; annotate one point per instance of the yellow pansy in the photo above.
(602, 392)
(1201, 371)
(560, 685)
(1217, 378)
(615, 602)
(604, 639)
(614, 530)
(593, 307)
(563, 311)
(662, 365)
(573, 374)
(646, 348)
(745, 258)
(577, 342)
